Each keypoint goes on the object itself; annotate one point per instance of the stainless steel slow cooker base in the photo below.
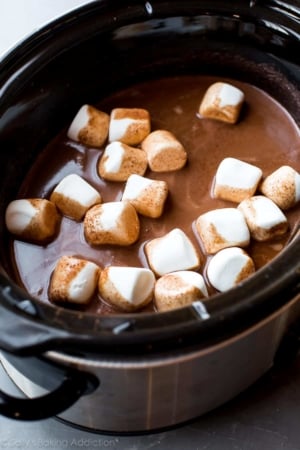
(148, 394)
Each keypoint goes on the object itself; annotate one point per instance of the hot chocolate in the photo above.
(265, 136)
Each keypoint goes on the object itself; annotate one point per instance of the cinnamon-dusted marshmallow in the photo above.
(221, 228)
(129, 125)
(33, 219)
(119, 161)
(228, 268)
(146, 195)
(171, 252)
(283, 187)
(89, 126)
(74, 280)
(222, 101)
(236, 180)
(128, 288)
(164, 152)
(178, 289)
(264, 219)
(112, 223)
(73, 196)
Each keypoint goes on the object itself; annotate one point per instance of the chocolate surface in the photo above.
(265, 136)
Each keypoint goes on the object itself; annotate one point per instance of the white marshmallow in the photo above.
(33, 219)
(230, 95)
(178, 289)
(228, 268)
(146, 195)
(74, 280)
(128, 288)
(129, 125)
(19, 214)
(222, 101)
(89, 126)
(164, 152)
(171, 252)
(114, 154)
(119, 161)
(282, 187)
(264, 219)
(236, 180)
(73, 196)
(221, 228)
(112, 223)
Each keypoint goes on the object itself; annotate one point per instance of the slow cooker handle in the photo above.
(71, 389)
(34, 335)
(20, 313)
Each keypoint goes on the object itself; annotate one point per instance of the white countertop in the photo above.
(19, 18)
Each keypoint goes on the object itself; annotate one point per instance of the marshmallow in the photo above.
(119, 161)
(73, 196)
(74, 280)
(128, 288)
(282, 187)
(33, 219)
(129, 125)
(221, 228)
(171, 252)
(222, 101)
(178, 289)
(112, 223)
(264, 219)
(228, 268)
(164, 152)
(236, 180)
(146, 195)
(89, 126)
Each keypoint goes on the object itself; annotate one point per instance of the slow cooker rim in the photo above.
(289, 10)
(62, 318)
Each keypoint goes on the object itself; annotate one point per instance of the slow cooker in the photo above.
(130, 373)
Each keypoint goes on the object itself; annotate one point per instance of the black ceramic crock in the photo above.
(81, 58)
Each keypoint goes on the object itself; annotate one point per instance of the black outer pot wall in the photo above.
(88, 54)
